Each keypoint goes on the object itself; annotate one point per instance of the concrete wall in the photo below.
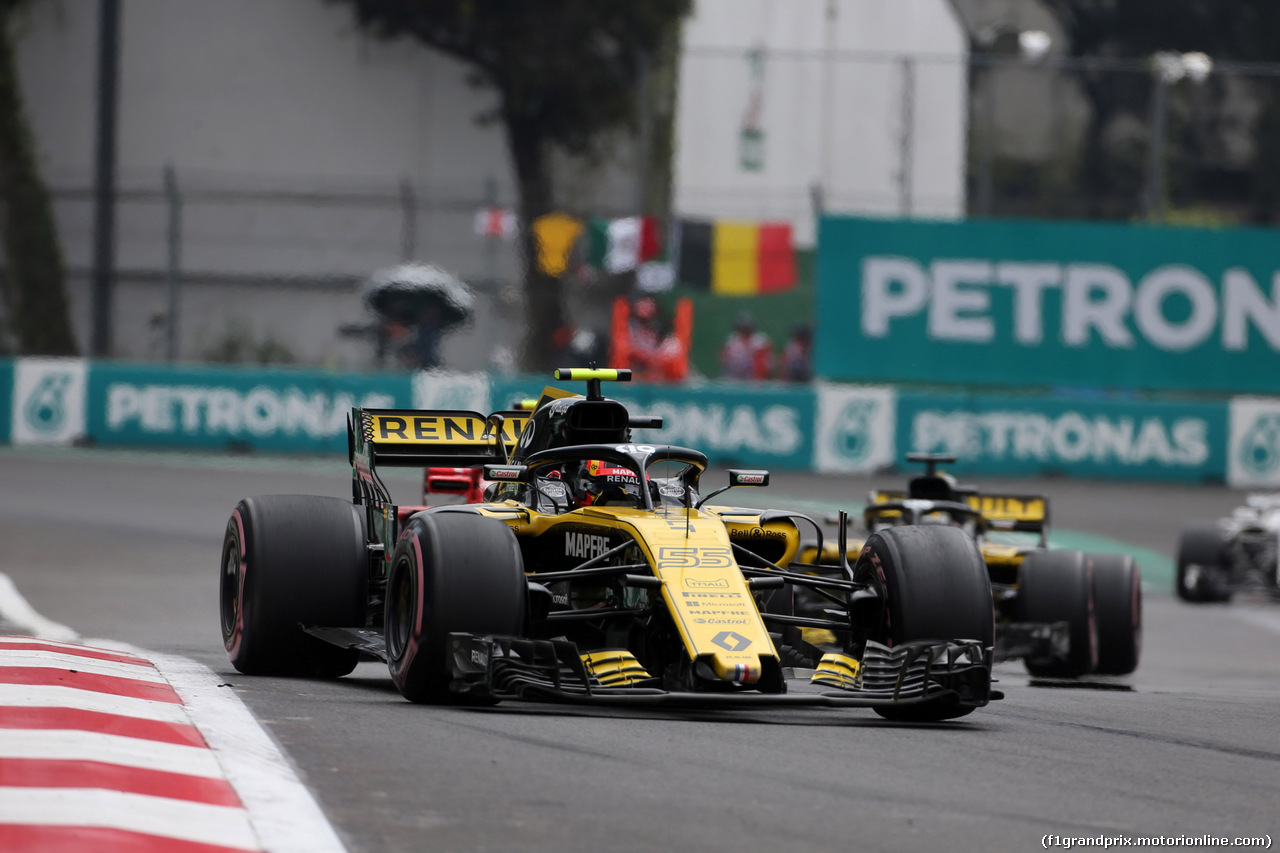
(836, 108)
(292, 137)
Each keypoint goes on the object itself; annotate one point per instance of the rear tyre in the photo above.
(449, 572)
(1057, 586)
(1202, 561)
(936, 588)
(290, 561)
(1117, 602)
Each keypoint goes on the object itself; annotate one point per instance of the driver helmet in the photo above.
(596, 478)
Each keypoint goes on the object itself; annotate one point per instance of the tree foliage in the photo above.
(566, 73)
(35, 283)
(1236, 31)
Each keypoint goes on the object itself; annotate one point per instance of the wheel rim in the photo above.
(874, 614)
(399, 611)
(229, 590)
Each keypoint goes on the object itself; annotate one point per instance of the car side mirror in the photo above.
(506, 473)
(743, 477)
(740, 477)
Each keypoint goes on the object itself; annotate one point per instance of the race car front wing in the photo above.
(516, 668)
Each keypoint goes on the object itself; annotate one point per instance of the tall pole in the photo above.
(173, 271)
(408, 220)
(906, 138)
(1155, 151)
(104, 181)
(826, 155)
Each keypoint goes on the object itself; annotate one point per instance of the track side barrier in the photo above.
(824, 427)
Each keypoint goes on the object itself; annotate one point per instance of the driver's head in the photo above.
(598, 481)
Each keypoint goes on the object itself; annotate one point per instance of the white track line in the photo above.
(1262, 618)
(285, 815)
(197, 822)
(14, 608)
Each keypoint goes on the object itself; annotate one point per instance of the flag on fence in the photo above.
(496, 222)
(621, 245)
(555, 234)
(737, 258)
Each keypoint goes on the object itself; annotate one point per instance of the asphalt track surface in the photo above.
(125, 546)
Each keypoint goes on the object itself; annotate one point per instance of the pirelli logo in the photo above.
(452, 428)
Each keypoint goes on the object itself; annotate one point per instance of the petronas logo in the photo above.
(46, 408)
(1260, 446)
(852, 436)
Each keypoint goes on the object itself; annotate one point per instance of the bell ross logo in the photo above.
(1260, 445)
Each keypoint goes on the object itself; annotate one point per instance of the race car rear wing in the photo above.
(427, 437)
(1022, 513)
(1019, 513)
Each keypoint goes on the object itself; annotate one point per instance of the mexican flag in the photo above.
(621, 245)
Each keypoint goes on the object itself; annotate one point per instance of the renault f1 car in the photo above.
(1063, 612)
(1236, 554)
(594, 570)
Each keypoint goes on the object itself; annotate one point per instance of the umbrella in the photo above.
(404, 292)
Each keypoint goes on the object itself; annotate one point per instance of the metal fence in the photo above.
(1169, 138)
(208, 268)
(1172, 136)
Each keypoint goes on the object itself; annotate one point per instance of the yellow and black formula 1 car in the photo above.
(595, 570)
(1063, 612)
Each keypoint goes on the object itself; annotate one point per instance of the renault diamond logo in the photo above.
(731, 640)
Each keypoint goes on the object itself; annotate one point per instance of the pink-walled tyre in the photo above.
(450, 572)
(1117, 603)
(290, 561)
(1057, 586)
(936, 587)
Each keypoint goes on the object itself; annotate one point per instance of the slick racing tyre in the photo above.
(290, 561)
(1202, 561)
(450, 572)
(1117, 607)
(936, 587)
(1057, 586)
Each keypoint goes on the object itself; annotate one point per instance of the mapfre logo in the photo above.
(585, 545)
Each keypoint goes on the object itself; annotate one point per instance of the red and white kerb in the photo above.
(99, 752)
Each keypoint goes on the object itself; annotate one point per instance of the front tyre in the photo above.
(1057, 586)
(936, 587)
(450, 572)
(290, 561)
(1117, 602)
(1202, 562)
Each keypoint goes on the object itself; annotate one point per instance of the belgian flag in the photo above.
(737, 258)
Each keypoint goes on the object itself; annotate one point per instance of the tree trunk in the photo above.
(35, 283)
(544, 312)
